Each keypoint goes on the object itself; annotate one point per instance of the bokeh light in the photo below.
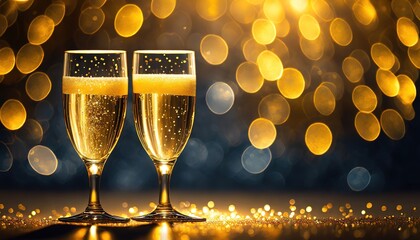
(324, 100)
(262, 133)
(313, 49)
(273, 10)
(318, 138)
(309, 27)
(270, 65)
(407, 31)
(387, 82)
(358, 179)
(38, 86)
(211, 10)
(56, 11)
(352, 69)
(364, 98)
(382, 56)
(7, 60)
(232, 33)
(408, 92)
(42, 160)
(31, 132)
(323, 9)
(13, 114)
(367, 126)
(341, 32)
(214, 49)
(414, 55)
(163, 8)
(255, 160)
(243, 11)
(251, 50)
(40, 30)
(220, 98)
(91, 20)
(6, 158)
(299, 5)
(291, 84)
(29, 58)
(3, 24)
(248, 77)
(392, 124)
(128, 20)
(263, 31)
(364, 12)
(275, 108)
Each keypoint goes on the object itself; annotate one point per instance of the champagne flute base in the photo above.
(94, 218)
(167, 216)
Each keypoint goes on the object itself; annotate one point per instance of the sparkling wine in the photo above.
(163, 107)
(94, 113)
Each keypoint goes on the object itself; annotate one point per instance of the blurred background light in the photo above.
(367, 126)
(40, 29)
(128, 20)
(13, 114)
(6, 158)
(56, 11)
(309, 27)
(211, 10)
(214, 49)
(341, 32)
(291, 84)
(387, 82)
(263, 31)
(220, 98)
(262, 133)
(270, 65)
(324, 100)
(163, 8)
(248, 77)
(29, 58)
(255, 160)
(352, 69)
(38, 86)
(364, 99)
(7, 60)
(358, 179)
(318, 138)
(91, 20)
(392, 124)
(42, 160)
(275, 108)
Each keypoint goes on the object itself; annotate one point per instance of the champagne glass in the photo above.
(163, 107)
(95, 89)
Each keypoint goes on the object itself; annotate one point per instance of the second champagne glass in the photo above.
(95, 89)
(163, 106)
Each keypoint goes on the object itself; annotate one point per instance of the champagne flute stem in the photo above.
(164, 170)
(94, 174)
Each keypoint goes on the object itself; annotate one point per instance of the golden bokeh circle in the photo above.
(299, 5)
(23, 5)
(318, 138)
(291, 84)
(309, 27)
(313, 49)
(382, 56)
(263, 31)
(341, 32)
(270, 65)
(362, 57)
(38, 86)
(323, 10)
(387, 82)
(7, 60)
(162, 8)
(13, 114)
(262, 133)
(364, 12)
(364, 98)
(242, 11)
(324, 100)
(275, 108)
(251, 49)
(128, 20)
(3, 24)
(91, 20)
(214, 49)
(367, 126)
(392, 124)
(273, 10)
(283, 28)
(248, 77)
(211, 10)
(56, 12)
(352, 69)
(408, 92)
(407, 31)
(29, 58)
(40, 30)
(232, 33)
(414, 55)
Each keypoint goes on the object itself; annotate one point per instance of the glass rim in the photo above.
(165, 51)
(86, 51)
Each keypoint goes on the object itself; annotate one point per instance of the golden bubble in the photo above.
(263, 31)
(334, 81)
(232, 32)
(29, 58)
(7, 60)
(97, 3)
(324, 100)
(211, 10)
(251, 50)
(341, 32)
(38, 86)
(128, 20)
(214, 49)
(367, 126)
(262, 133)
(414, 55)
(163, 8)
(382, 56)
(291, 84)
(283, 28)
(42, 160)
(408, 90)
(323, 10)
(91, 20)
(362, 57)
(242, 11)
(364, 12)
(275, 108)
(402, 8)
(12, 114)
(352, 69)
(299, 5)
(318, 138)
(248, 77)
(24, 5)
(273, 10)
(270, 65)
(392, 124)
(3, 24)
(313, 49)
(387, 82)
(364, 98)
(309, 27)
(40, 30)
(407, 31)
(56, 12)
